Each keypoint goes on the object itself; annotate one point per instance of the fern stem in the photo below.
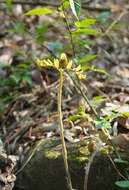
(64, 150)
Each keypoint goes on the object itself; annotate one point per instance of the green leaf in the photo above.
(80, 109)
(99, 70)
(85, 22)
(18, 28)
(122, 184)
(8, 4)
(89, 31)
(101, 123)
(40, 29)
(64, 6)
(55, 46)
(85, 26)
(16, 77)
(28, 79)
(7, 99)
(74, 117)
(76, 7)
(93, 68)
(87, 58)
(39, 11)
(120, 161)
(80, 115)
(39, 33)
(125, 114)
(97, 100)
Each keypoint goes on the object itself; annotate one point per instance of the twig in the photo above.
(87, 169)
(18, 135)
(116, 167)
(78, 86)
(87, 100)
(115, 21)
(29, 158)
(9, 110)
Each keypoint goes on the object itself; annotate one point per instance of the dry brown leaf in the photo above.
(123, 122)
(122, 141)
(115, 8)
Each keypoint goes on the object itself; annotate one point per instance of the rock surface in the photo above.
(45, 171)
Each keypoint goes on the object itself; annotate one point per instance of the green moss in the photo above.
(79, 160)
(51, 154)
(79, 155)
(84, 150)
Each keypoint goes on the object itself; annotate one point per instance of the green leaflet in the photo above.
(87, 58)
(120, 161)
(39, 11)
(95, 69)
(88, 31)
(102, 123)
(122, 184)
(76, 7)
(85, 22)
(85, 26)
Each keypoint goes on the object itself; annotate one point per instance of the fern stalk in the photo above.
(64, 150)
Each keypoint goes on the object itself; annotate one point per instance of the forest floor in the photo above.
(28, 96)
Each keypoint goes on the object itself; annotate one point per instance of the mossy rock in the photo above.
(45, 171)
